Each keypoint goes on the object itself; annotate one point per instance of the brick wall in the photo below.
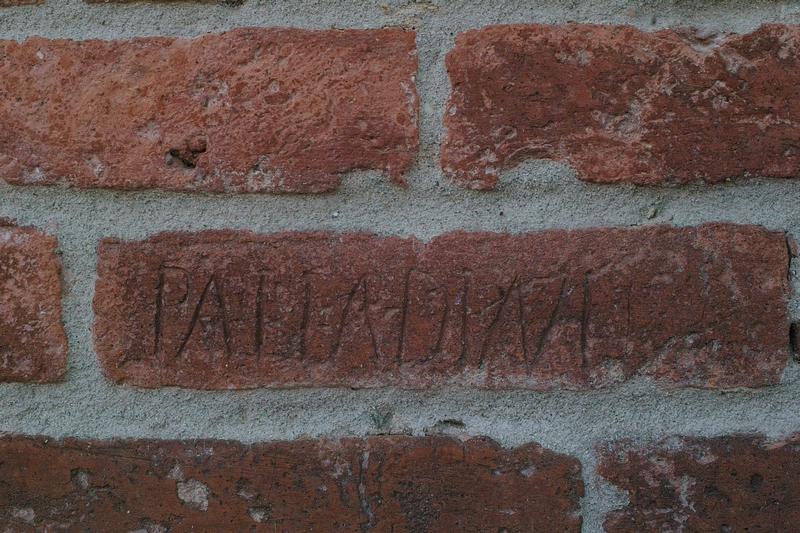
(404, 266)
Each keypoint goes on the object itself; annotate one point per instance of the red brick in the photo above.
(11, 3)
(33, 345)
(723, 484)
(383, 484)
(577, 309)
(222, 2)
(251, 109)
(624, 105)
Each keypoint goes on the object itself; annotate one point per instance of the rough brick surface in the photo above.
(578, 309)
(234, 3)
(251, 109)
(385, 484)
(11, 3)
(620, 104)
(33, 345)
(724, 484)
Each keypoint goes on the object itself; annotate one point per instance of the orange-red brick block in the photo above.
(33, 345)
(248, 110)
(399, 484)
(624, 105)
(579, 309)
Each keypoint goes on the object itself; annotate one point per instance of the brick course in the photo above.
(398, 484)
(574, 309)
(624, 105)
(33, 345)
(251, 109)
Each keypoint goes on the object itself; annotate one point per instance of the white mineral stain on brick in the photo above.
(176, 473)
(194, 494)
(154, 528)
(26, 515)
(82, 479)
(258, 514)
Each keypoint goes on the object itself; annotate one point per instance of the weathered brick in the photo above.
(33, 345)
(577, 309)
(251, 109)
(233, 3)
(11, 3)
(398, 484)
(723, 484)
(620, 104)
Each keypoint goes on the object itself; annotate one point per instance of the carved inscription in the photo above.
(575, 309)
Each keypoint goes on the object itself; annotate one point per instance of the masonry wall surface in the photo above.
(536, 195)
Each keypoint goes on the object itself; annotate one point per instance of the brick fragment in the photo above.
(624, 105)
(577, 309)
(726, 484)
(33, 345)
(399, 484)
(231, 3)
(251, 109)
(12, 3)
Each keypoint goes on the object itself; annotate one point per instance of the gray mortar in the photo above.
(536, 195)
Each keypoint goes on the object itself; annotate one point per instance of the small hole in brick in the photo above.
(185, 159)
(188, 155)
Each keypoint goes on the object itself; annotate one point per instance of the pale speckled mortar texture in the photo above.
(533, 196)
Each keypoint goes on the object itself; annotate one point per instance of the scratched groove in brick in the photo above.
(577, 309)
(397, 484)
(726, 484)
(33, 345)
(624, 105)
(250, 109)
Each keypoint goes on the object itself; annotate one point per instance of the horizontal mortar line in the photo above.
(48, 20)
(198, 210)
(628, 411)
